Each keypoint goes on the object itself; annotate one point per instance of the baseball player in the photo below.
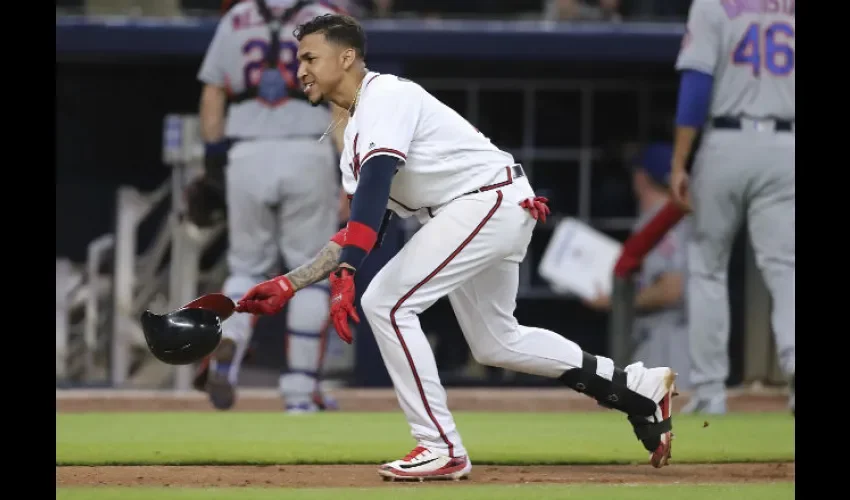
(660, 334)
(737, 65)
(281, 184)
(407, 152)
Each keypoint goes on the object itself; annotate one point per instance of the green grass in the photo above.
(775, 491)
(491, 438)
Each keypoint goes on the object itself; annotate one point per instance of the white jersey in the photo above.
(443, 156)
(235, 58)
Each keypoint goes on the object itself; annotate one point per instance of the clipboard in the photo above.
(579, 259)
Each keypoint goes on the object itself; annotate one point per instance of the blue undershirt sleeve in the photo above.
(695, 88)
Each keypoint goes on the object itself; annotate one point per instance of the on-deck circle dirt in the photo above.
(366, 475)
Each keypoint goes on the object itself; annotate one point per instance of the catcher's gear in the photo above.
(206, 202)
(215, 159)
(206, 199)
(273, 87)
(342, 302)
(268, 297)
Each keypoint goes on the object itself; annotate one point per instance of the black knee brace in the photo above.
(616, 395)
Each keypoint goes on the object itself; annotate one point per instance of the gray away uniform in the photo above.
(744, 167)
(282, 184)
(661, 337)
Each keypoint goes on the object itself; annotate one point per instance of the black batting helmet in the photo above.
(182, 337)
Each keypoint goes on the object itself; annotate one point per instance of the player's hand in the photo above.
(267, 298)
(680, 186)
(601, 302)
(342, 302)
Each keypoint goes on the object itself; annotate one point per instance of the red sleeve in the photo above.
(642, 242)
(339, 237)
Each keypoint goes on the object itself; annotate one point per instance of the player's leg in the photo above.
(463, 238)
(251, 255)
(306, 338)
(771, 214)
(717, 189)
(484, 306)
(308, 218)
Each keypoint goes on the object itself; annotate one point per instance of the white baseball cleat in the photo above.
(422, 464)
(656, 432)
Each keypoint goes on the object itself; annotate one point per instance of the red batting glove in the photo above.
(267, 298)
(537, 207)
(342, 302)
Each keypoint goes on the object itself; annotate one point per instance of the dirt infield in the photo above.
(304, 476)
(517, 400)
(537, 400)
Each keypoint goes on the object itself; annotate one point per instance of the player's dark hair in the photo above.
(337, 28)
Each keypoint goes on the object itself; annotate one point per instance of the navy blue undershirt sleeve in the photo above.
(369, 204)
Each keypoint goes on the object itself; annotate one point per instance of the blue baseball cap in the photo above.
(655, 159)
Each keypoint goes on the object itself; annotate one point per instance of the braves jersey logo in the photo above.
(354, 165)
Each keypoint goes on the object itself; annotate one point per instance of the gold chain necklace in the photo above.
(336, 123)
(356, 96)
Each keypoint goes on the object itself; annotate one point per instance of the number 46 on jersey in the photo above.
(766, 48)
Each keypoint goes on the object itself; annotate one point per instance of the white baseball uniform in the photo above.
(466, 192)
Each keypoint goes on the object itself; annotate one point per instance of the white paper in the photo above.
(579, 259)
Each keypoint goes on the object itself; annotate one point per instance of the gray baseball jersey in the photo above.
(661, 337)
(749, 47)
(236, 56)
(282, 185)
(744, 169)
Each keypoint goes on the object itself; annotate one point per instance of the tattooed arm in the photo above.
(317, 269)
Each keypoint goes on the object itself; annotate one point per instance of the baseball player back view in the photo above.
(738, 85)
(281, 184)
